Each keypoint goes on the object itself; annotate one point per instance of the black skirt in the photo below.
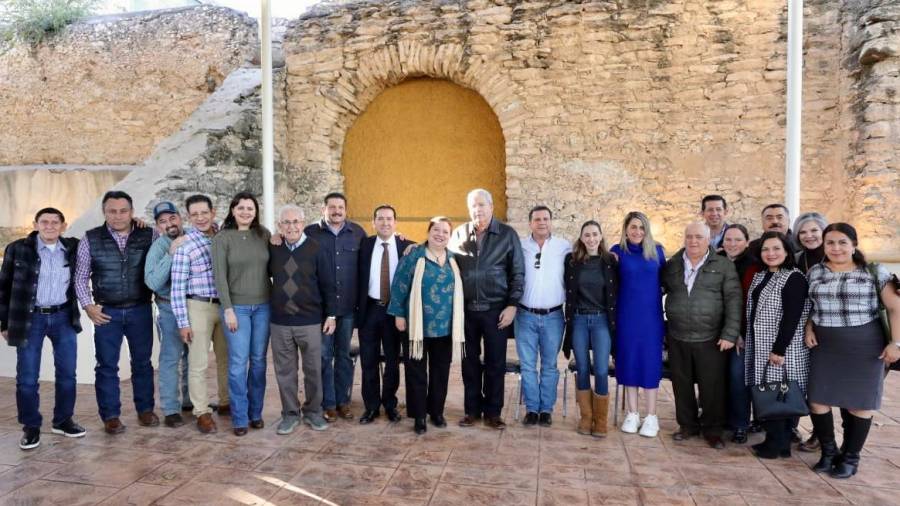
(844, 369)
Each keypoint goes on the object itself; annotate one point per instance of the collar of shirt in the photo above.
(392, 241)
(50, 247)
(690, 272)
(293, 246)
(544, 286)
(123, 235)
(325, 225)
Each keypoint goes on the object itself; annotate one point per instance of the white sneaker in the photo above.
(630, 425)
(650, 427)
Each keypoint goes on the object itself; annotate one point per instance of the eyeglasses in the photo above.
(291, 223)
(537, 260)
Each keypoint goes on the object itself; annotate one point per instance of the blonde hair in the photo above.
(648, 245)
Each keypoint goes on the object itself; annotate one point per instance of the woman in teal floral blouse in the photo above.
(427, 303)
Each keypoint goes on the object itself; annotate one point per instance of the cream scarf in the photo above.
(416, 325)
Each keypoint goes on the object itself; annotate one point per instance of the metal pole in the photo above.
(794, 107)
(268, 161)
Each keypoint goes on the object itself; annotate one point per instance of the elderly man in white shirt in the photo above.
(540, 321)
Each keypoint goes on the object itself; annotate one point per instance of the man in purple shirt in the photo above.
(112, 257)
(195, 303)
(35, 291)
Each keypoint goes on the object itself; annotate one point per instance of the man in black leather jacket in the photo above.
(490, 261)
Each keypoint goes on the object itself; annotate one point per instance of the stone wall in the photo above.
(612, 106)
(109, 89)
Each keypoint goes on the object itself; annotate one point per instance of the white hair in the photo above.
(287, 208)
(479, 192)
(700, 224)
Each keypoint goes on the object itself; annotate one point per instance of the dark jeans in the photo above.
(483, 382)
(59, 329)
(701, 363)
(426, 392)
(337, 366)
(778, 434)
(738, 392)
(135, 323)
(378, 333)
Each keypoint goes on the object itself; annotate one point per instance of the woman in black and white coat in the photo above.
(777, 309)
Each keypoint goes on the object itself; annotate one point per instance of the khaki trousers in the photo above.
(206, 325)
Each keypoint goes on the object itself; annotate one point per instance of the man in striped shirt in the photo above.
(195, 303)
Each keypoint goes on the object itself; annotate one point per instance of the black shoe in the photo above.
(393, 415)
(755, 428)
(68, 429)
(683, 434)
(368, 417)
(438, 421)
(31, 438)
(739, 436)
(531, 418)
(764, 451)
(419, 426)
(187, 407)
(545, 420)
(827, 460)
(847, 467)
(173, 421)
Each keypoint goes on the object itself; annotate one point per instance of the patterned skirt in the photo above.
(844, 369)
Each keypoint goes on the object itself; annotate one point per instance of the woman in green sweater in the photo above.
(240, 264)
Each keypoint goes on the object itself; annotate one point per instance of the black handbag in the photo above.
(778, 400)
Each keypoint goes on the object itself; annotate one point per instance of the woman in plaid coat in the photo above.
(777, 310)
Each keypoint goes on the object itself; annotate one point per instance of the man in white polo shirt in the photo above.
(539, 320)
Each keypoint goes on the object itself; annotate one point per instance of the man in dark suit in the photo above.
(378, 258)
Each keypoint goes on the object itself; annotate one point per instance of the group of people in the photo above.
(729, 313)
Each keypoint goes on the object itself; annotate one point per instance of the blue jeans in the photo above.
(738, 392)
(337, 366)
(539, 334)
(591, 332)
(59, 329)
(247, 362)
(135, 323)
(172, 361)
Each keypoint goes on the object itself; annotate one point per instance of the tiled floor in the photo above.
(387, 464)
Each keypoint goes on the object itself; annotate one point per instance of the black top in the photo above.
(793, 297)
(809, 257)
(592, 285)
(302, 284)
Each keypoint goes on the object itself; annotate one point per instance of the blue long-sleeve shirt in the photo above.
(158, 267)
(437, 293)
(342, 249)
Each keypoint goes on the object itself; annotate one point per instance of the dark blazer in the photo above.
(18, 286)
(570, 277)
(365, 263)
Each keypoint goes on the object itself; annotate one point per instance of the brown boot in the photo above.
(206, 424)
(601, 408)
(583, 398)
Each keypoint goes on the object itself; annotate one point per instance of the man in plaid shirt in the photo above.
(195, 303)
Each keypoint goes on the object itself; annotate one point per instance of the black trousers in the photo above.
(703, 364)
(427, 378)
(483, 382)
(376, 334)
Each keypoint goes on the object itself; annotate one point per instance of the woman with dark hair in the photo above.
(639, 321)
(735, 242)
(591, 288)
(427, 302)
(808, 229)
(240, 264)
(776, 313)
(848, 346)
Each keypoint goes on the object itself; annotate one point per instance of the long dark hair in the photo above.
(789, 262)
(579, 250)
(847, 229)
(231, 223)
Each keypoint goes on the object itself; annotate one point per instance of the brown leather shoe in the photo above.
(468, 420)
(257, 424)
(113, 426)
(148, 419)
(240, 431)
(330, 415)
(344, 412)
(206, 424)
(494, 422)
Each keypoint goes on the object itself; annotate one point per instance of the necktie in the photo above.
(385, 285)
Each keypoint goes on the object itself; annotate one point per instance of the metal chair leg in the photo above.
(616, 407)
(565, 391)
(519, 397)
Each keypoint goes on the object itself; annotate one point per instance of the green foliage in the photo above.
(32, 21)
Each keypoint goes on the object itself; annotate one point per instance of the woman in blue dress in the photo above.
(639, 321)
